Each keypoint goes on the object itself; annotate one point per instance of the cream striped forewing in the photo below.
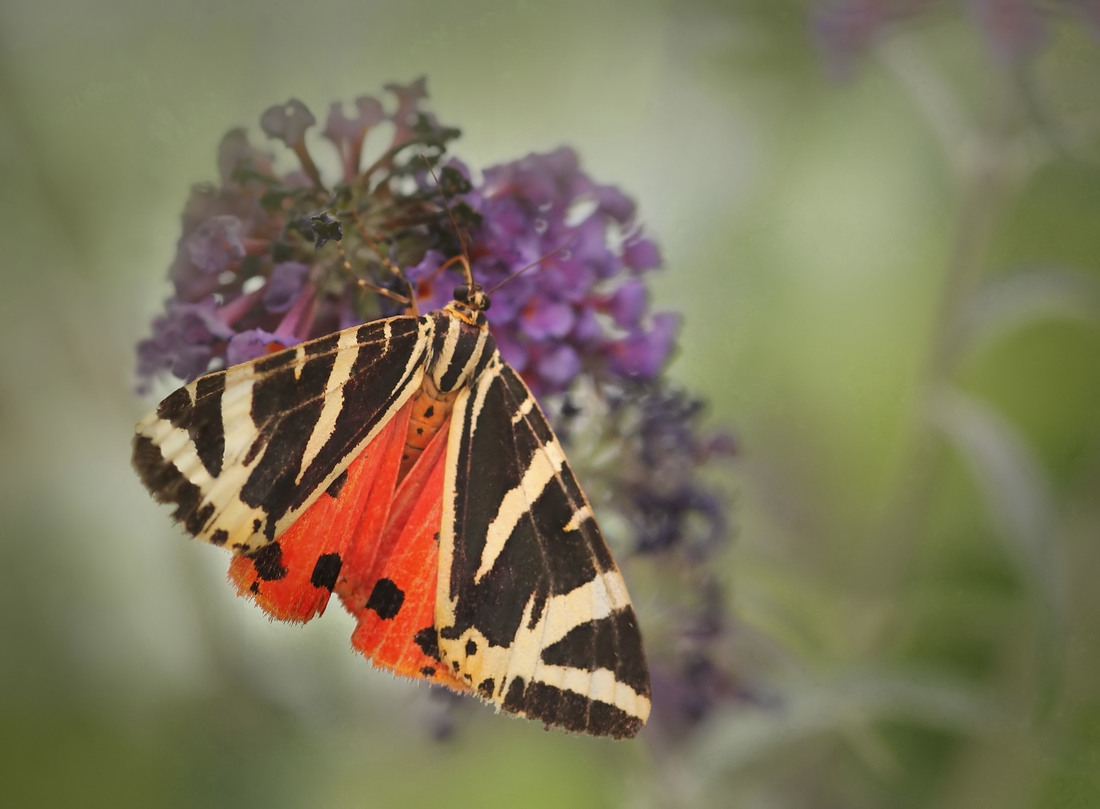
(243, 452)
(531, 610)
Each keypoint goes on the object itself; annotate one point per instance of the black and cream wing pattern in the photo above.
(406, 467)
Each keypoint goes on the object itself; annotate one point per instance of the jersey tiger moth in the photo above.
(405, 466)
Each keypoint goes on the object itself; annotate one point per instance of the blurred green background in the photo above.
(890, 296)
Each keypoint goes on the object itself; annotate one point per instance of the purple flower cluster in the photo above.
(268, 258)
(662, 491)
(1014, 30)
(263, 262)
(689, 685)
(584, 308)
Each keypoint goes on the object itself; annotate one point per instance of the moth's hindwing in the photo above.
(293, 575)
(531, 609)
(389, 581)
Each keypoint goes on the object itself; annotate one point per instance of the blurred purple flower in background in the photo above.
(1014, 30)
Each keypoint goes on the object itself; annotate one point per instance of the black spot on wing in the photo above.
(570, 710)
(513, 700)
(337, 485)
(326, 570)
(219, 537)
(386, 599)
(268, 562)
(427, 639)
(197, 519)
(486, 687)
(611, 643)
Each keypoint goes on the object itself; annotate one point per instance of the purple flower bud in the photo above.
(1014, 29)
(641, 254)
(287, 122)
(642, 353)
(545, 208)
(347, 134)
(217, 244)
(284, 285)
(407, 114)
(628, 303)
(548, 319)
(559, 366)
(614, 203)
(339, 128)
(236, 155)
(515, 353)
(587, 329)
(182, 340)
(432, 289)
(248, 345)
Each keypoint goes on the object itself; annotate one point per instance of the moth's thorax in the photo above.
(468, 313)
(461, 346)
(459, 352)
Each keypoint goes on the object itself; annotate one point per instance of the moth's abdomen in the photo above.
(431, 412)
(460, 351)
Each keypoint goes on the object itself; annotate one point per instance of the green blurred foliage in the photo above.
(891, 294)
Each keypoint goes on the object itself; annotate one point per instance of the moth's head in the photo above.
(471, 301)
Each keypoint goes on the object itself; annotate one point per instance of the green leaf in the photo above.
(1007, 303)
(1016, 492)
(846, 704)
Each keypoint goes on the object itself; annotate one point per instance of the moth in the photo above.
(405, 466)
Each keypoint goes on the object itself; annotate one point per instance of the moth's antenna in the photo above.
(559, 249)
(408, 302)
(464, 259)
(454, 225)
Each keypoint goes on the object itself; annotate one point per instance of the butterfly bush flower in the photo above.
(664, 491)
(584, 308)
(249, 250)
(276, 253)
